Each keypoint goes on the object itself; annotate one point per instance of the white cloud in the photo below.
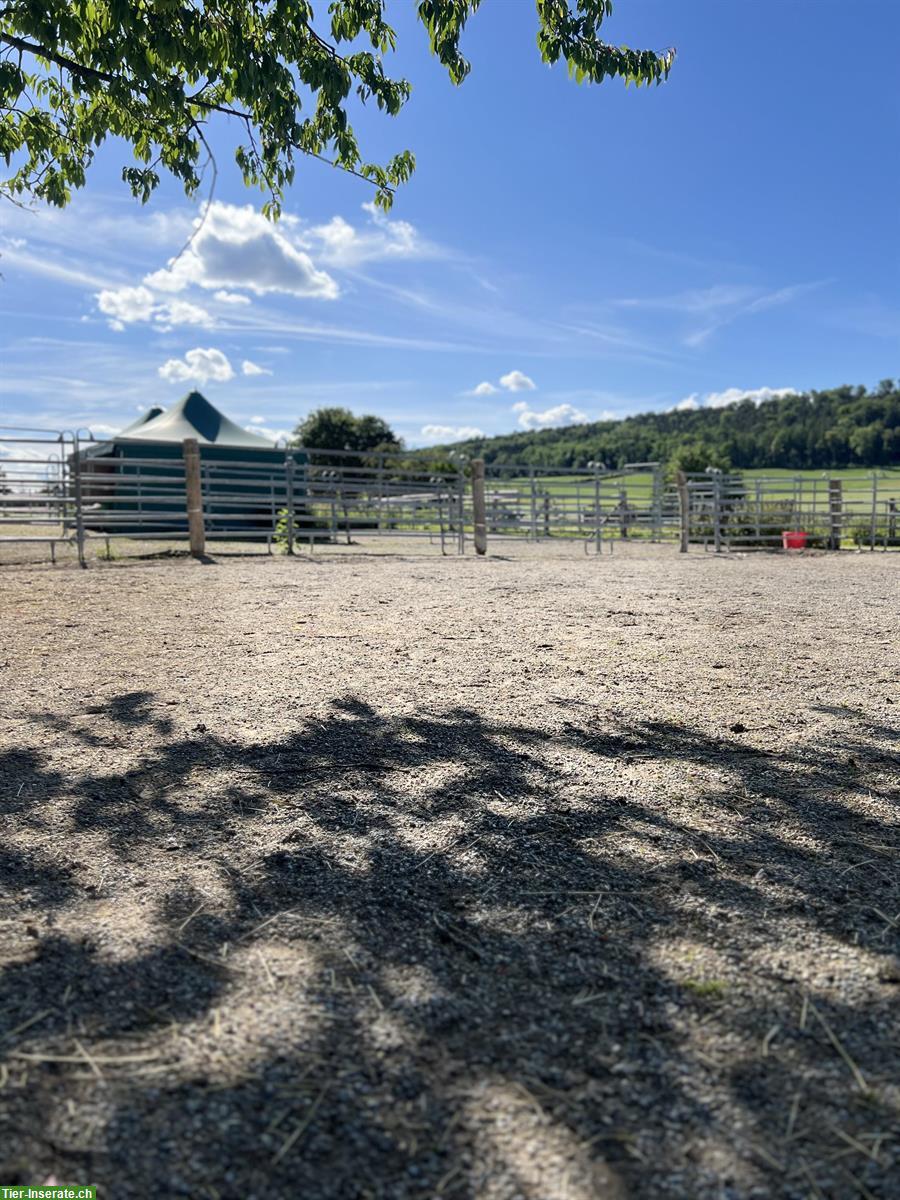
(517, 381)
(230, 297)
(258, 420)
(237, 247)
(252, 368)
(341, 244)
(274, 435)
(757, 395)
(560, 414)
(451, 433)
(729, 396)
(199, 366)
(129, 305)
(483, 389)
(182, 312)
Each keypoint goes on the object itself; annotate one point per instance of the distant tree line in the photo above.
(846, 426)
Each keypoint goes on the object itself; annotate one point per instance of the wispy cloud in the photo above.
(716, 306)
(694, 300)
(259, 320)
(665, 254)
(72, 272)
(728, 314)
(340, 244)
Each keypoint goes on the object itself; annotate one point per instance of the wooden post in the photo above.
(461, 511)
(874, 509)
(79, 504)
(441, 518)
(194, 496)
(546, 514)
(717, 512)
(657, 502)
(598, 528)
(684, 507)
(478, 506)
(835, 510)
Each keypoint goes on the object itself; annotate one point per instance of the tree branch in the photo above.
(77, 68)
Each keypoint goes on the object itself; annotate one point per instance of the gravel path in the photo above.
(539, 877)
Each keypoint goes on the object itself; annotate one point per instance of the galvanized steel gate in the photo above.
(57, 489)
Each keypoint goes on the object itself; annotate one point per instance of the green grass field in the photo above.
(845, 474)
(640, 484)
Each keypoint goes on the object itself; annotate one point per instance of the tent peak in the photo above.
(193, 416)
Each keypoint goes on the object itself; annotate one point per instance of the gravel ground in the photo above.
(387, 875)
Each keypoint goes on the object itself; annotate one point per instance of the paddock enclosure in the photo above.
(67, 495)
(388, 875)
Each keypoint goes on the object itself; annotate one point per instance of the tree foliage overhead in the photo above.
(157, 72)
(846, 426)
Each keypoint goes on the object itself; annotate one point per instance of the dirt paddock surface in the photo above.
(539, 877)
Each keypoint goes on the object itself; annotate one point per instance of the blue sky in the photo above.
(562, 253)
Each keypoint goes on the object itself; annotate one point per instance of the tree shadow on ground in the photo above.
(453, 956)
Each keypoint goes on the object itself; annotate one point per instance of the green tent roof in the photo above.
(195, 417)
(155, 411)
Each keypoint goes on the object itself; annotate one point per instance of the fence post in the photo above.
(194, 496)
(874, 530)
(835, 510)
(461, 501)
(546, 514)
(598, 528)
(684, 510)
(717, 512)
(289, 467)
(657, 502)
(479, 521)
(380, 492)
(532, 484)
(79, 503)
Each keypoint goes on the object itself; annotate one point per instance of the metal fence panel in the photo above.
(58, 489)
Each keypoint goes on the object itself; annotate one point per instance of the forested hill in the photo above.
(848, 426)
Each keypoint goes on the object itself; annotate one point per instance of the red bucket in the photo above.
(793, 539)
